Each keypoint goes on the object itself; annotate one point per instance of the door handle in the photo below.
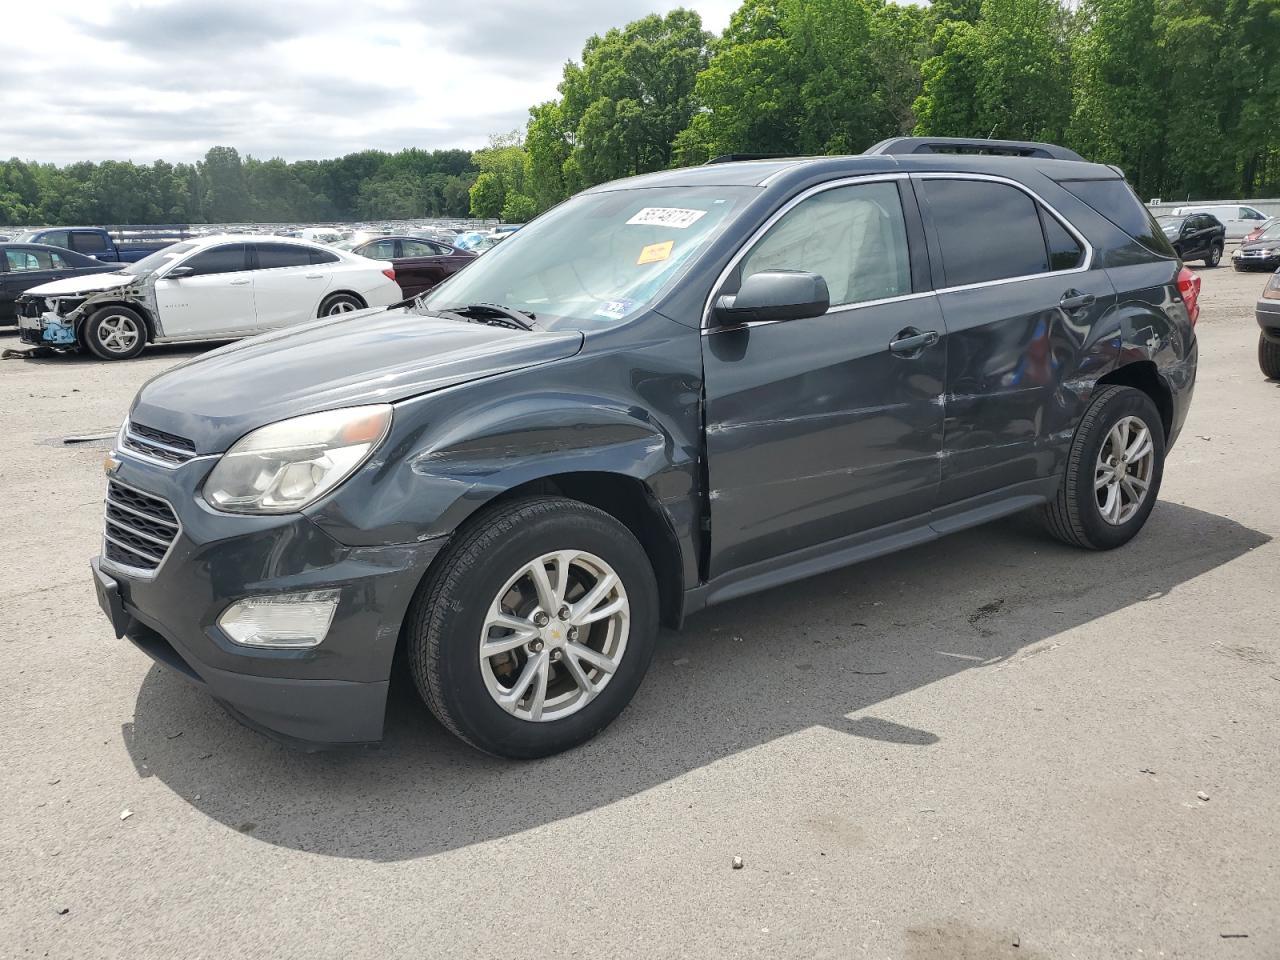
(1072, 300)
(240, 283)
(911, 341)
(315, 276)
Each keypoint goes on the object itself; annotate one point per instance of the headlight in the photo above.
(284, 466)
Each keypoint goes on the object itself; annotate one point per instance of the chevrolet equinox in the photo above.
(665, 393)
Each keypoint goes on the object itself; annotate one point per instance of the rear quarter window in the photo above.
(1115, 200)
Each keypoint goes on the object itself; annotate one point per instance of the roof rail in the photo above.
(1008, 148)
(732, 157)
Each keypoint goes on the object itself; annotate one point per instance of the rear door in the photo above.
(419, 266)
(215, 299)
(91, 243)
(1020, 295)
(287, 286)
(817, 429)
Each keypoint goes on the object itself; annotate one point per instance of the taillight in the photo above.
(1189, 287)
(390, 273)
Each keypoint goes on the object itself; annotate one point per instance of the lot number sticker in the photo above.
(655, 252)
(666, 217)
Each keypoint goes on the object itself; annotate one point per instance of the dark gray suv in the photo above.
(666, 393)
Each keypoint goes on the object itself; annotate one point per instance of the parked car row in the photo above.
(27, 265)
(419, 264)
(213, 288)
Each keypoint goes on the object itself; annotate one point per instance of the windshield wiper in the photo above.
(494, 313)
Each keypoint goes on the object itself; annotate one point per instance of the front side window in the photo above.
(854, 237)
(54, 238)
(1248, 213)
(225, 259)
(599, 258)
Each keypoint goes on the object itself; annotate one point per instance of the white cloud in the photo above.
(169, 78)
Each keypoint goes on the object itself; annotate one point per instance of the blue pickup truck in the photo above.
(123, 244)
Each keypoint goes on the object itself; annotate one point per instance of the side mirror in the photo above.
(177, 273)
(774, 295)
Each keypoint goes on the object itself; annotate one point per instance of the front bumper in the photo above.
(48, 330)
(334, 693)
(1253, 260)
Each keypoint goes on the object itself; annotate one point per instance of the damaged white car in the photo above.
(214, 288)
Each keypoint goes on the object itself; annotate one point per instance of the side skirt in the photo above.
(868, 544)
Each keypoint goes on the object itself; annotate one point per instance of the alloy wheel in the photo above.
(554, 635)
(118, 333)
(1122, 476)
(342, 306)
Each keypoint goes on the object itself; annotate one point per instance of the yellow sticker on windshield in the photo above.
(655, 252)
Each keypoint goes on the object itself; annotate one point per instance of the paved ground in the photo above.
(987, 747)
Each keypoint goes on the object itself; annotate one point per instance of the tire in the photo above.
(1215, 256)
(115, 333)
(1269, 357)
(339, 303)
(482, 573)
(1075, 515)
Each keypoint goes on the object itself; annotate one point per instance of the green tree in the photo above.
(487, 196)
(519, 208)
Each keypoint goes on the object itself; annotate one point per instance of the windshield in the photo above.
(598, 258)
(154, 261)
(1270, 233)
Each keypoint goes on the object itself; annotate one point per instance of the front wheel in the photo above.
(1113, 474)
(535, 627)
(115, 333)
(1269, 357)
(1215, 256)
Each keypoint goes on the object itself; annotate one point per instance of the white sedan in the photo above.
(214, 288)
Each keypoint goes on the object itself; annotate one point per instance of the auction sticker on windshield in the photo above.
(655, 252)
(666, 217)
(615, 309)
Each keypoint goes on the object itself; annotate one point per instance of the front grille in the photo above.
(140, 528)
(157, 444)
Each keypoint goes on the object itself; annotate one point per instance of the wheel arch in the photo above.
(632, 503)
(87, 310)
(1144, 375)
(329, 295)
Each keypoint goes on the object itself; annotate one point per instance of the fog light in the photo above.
(284, 620)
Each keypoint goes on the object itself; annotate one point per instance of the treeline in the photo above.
(226, 188)
(1182, 94)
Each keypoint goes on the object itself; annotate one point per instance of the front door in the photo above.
(826, 427)
(1021, 297)
(215, 299)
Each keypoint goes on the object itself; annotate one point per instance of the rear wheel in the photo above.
(1269, 357)
(1113, 474)
(115, 333)
(535, 628)
(339, 303)
(1215, 256)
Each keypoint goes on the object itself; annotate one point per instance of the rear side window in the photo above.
(225, 259)
(987, 231)
(272, 256)
(86, 242)
(1116, 201)
(323, 256)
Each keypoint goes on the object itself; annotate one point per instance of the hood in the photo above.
(90, 283)
(1272, 243)
(373, 356)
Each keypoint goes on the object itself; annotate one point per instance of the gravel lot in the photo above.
(993, 746)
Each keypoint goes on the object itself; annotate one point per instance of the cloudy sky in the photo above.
(291, 78)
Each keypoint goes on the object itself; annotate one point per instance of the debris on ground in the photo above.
(173, 736)
(34, 353)
(63, 911)
(1234, 936)
(89, 437)
(1203, 796)
(126, 814)
(738, 863)
(1147, 770)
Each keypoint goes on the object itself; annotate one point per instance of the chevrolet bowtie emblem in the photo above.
(110, 465)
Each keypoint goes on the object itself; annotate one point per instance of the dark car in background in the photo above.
(420, 263)
(1196, 236)
(123, 244)
(27, 265)
(1256, 232)
(667, 392)
(1262, 253)
(1267, 313)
